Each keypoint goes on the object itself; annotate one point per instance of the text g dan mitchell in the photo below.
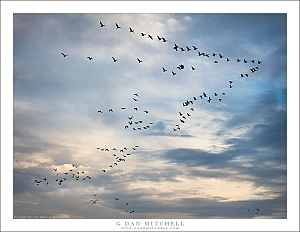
(140, 224)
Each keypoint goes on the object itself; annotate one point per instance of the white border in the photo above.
(7, 10)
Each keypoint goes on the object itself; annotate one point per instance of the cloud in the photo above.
(187, 18)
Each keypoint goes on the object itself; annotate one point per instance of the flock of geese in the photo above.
(137, 124)
(117, 27)
(63, 174)
(159, 38)
(134, 123)
(218, 97)
(123, 153)
(216, 57)
(125, 205)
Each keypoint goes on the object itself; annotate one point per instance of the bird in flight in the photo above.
(99, 111)
(110, 110)
(195, 48)
(101, 24)
(164, 40)
(146, 111)
(90, 58)
(159, 38)
(131, 30)
(259, 62)
(140, 61)
(117, 26)
(176, 47)
(164, 70)
(238, 60)
(209, 99)
(193, 68)
(114, 60)
(173, 73)
(64, 55)
(150, 37)
(143, 34)
(230, 82)
(136, 94)
(94, 201)
(135, 99)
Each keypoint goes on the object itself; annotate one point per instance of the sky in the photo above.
(227, 160)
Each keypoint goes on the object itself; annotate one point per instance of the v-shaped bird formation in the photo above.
(206, 97)
(118, 156)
